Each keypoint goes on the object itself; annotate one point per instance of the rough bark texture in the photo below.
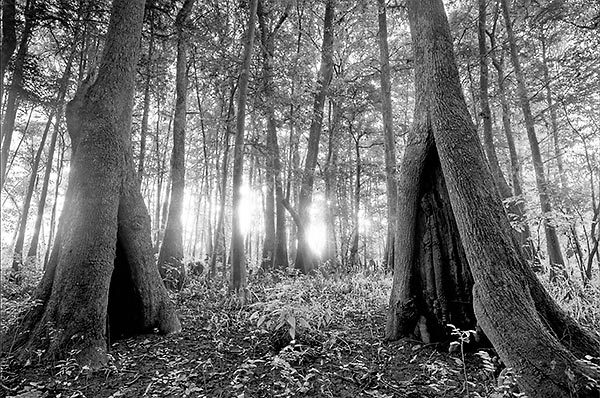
(101, 270)
(552, 242)
(529, 331)
(388, 134)
(304, 256)
(238, 258)
(170, 258)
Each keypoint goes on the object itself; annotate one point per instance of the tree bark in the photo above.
(389, 141)
(552, 242)
(304, 256)
(170, 258)
(238, 258)
(528, 329)
(101, 277)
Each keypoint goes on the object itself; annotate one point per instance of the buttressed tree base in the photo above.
(535, 337)
(101, 281)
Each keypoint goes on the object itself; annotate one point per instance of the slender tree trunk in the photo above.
(18, 249)
(238, 258)
(552, 242)
(101, 277)
(64, 85)
(553, 117)
(388, 135)
(170, 258)
(159, 179)
(354, 255)
(331, 176)
(486, 114)
(9, 42)
(12, 102)
(304, 257)
(146, 110)
(59, 168)
(531, 333)
(274, 252)
(219, 247)
(518, 217)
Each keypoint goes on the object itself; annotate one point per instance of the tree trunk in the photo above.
(9, 41)
(304, 256)
(219, 248)
(238, 258)
(389, 141)
(62, 91)
(146, 110)
(354, 255)
(553, 117)
(516, 211)
(59, 168)
(18, 249)
(331, 176)
(552, 242)
(170, 258)
(486, 114)
(8, 123)
(101, 277)
(275, 243)
(530, 332)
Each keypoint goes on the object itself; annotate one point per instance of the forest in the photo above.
(300, 198)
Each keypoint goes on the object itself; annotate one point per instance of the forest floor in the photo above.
(228, 350)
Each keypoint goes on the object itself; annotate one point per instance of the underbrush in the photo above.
(581, 302)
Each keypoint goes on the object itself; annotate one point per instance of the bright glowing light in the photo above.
(316, 233)
(364, 222)
(249, 208)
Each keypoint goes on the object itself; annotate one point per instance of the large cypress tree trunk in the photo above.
(389, 141)
(170, 258)
(552, 242)
(101, 277)
(304, 257)
(238, 257)
(530, 332)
